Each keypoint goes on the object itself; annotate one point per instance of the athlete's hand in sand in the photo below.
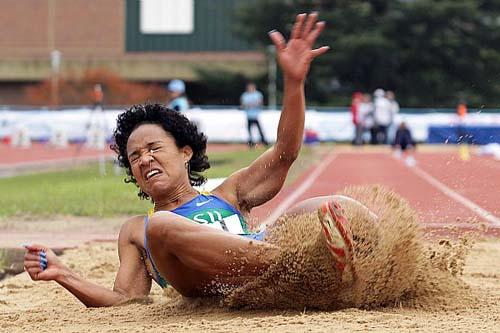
(35, 262)
(295, 56)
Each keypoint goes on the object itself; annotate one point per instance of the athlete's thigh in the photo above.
(192, 282)
(190, 255)
(196, 283)
(311, 205)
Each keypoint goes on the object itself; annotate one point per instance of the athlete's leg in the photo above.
(312, 205)
(335, 226)
(191, 256)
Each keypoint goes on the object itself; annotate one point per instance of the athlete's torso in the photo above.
(206, 209)
(214, 212)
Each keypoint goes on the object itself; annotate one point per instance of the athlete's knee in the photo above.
(346, 201)
(164, 227)
(342, 199)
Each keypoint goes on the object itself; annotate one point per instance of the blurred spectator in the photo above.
(383, 116)
(462, 110)
(464, 139)
(178, 100)
(251, 101)
(462, 135)
(404, 145)
(358, 128)
(97, 96)
(366, 119)
(394, 104)
(96, 127)
(394, 113)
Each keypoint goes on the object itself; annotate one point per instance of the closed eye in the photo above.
(133, 158)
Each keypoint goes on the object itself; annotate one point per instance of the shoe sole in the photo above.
(337, 234)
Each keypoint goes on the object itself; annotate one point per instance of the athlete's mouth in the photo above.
(151, 173)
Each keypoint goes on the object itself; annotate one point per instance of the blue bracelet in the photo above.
(43, 260)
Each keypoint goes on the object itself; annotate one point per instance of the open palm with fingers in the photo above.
(295, 56)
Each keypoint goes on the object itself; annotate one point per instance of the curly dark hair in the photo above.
(184, 132)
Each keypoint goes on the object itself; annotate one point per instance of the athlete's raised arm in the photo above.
(262, 180)
(132, 281)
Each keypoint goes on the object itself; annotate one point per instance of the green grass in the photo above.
(224, 163)
(83, 192)
(80, 192)
(3, 260)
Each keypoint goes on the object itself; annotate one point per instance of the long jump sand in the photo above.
(404, 283)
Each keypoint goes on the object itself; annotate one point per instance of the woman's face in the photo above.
(156, 163)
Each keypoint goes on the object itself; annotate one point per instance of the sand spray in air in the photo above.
(394, 265)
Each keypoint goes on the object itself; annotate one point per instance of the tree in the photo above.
(216, 87)
(431, 52)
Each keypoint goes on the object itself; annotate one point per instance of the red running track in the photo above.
(475, 182)
(43, 153)
(477, 179)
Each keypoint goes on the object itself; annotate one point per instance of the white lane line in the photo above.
(460, 225)
(457, 197)
(306, 184)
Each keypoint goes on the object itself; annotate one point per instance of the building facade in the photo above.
(140, 40)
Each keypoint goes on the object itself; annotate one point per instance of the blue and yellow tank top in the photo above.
(214, 212)
(204, 209)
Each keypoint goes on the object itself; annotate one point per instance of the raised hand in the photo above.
(295, 56)
(42, 263)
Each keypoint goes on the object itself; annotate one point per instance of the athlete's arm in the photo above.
(262, 180)
(131, 281)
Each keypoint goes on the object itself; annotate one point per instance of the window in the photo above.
(167, 16)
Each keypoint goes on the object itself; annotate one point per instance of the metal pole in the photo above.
(55, 56)
(101, 140)
(272, 69)
(55, 60)
(50, 25)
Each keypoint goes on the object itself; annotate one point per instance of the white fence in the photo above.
(219, 125)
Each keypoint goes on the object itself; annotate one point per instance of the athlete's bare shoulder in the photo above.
(133, 230)
(227, 191)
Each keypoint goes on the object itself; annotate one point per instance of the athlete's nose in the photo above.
(146, 158)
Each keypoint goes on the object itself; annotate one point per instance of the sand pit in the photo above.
(403, 284)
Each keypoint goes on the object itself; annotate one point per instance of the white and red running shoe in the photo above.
(338, 236)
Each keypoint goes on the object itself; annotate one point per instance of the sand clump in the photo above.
(394, 266)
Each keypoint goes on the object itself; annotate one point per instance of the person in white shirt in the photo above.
(395, 111)
(394, 104)
(251, 101)
(365, 118)
(178, 100)
(383, 116)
